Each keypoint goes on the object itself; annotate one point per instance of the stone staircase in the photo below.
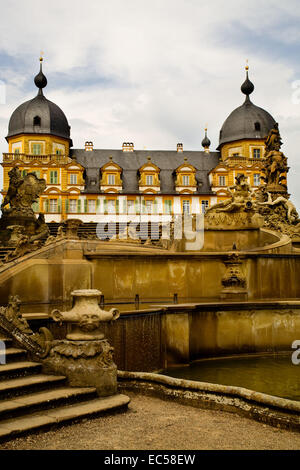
(89, 228)
(31, 400)
(4, 251)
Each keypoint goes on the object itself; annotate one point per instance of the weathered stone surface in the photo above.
(85, 364)
(31, 422)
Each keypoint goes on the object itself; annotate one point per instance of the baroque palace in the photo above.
(90, 183)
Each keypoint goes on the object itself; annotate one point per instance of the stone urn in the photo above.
(85, 316)
(85, 356)
(72, 226)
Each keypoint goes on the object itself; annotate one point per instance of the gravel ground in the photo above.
(154, 424)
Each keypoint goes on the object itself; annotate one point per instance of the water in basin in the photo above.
(271, 374)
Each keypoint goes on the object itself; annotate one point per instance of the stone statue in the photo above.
(22, 193)
(275, 161)
(240, 198)
(236, 213)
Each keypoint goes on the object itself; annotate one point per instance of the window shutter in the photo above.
(143, 205)
(79, 205)
(117, 206)
(105, 205)
(98, 206)
(67, 206)
(85, 205)
(59, 205)
(137, 206)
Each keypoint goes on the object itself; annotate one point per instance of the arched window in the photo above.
(257, 126)
(37, 121)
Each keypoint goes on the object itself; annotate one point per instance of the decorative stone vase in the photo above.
(72, 226)
(85, 357)
(85, 316)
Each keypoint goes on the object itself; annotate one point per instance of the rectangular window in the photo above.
(53, 177)
(256, 179)
(111, 179)
(58, 152)
(72, 205)
(111, 206)
(24, 173)
(186, 206)
(149, 207)
(167, 206)
(185, 180)
(17, 150)
(36, 149)
(130, 207)
(149, 180)
(256, 153)
(53, 205)
(222, 180)
(92, 205)
(73, 179)
(204, 206)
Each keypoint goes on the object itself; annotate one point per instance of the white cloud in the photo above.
(170, 67)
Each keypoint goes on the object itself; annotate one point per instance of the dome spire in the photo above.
(206, 142)
(247, 87)
(40, 80)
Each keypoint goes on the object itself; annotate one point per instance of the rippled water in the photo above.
(271, 374)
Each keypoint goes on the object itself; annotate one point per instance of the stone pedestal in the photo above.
(85, 364)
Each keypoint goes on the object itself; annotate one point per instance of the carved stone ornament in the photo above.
(12, 322)
(234, 276)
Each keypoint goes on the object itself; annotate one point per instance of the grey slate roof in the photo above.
(53, 119)
(130, 162)
(240, 124)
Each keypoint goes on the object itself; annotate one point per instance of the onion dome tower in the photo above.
(206, 142)
(38, 116)
(248, 121)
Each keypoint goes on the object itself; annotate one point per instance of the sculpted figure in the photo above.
(22, 192)
(275, 160)
(240, 198)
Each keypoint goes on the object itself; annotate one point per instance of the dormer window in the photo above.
(149, 177)
(111, 180)
(149, 180)
(37, 121)
(257, 126)
(186, 178)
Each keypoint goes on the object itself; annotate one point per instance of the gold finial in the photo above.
(110, 157)
(41, 56)
(185, 159)
(247, 65)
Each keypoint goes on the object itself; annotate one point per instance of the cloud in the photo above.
(157, 72)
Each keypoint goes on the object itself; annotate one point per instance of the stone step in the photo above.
(44, 400)
(29, 384)
(19, 369)
(7, 341)
(13, 354)
(48, 418)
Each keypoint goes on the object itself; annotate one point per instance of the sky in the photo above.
(154, 72)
